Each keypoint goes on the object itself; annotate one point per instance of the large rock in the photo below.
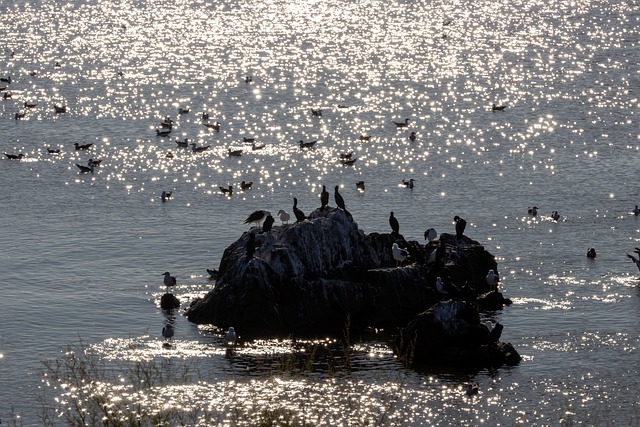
(316, 277)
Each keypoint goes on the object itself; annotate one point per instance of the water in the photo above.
(82, 256)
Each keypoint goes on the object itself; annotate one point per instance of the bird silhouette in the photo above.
(168, 280)
(324, 198)
(268, 223)
(398, 253)
(300, 216)
(339, 200)
(395, 225)
(460, 226)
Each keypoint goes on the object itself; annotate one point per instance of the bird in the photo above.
(184, 143)
(213, 273)
(245, 185)
(59, 108)
(472, 388)
(430, 234)
(234, 153)
(245, 139)
(636, 210)
(338, 198)
(284, 216)
(168, 280)
(460, 226)
(85, 169)
(306, 144)
(205, 116)
(365, 137)
(533, 211)
(635, 260)
(197, 149)
(184, 110)
(213, 126)
(257, 217)
(498, 107)
(5, 79)
(349, 162)
(492, 280)
(167, 123)
(555, 215)
(92, 162)
(7, 95)
(402, 124)
(226, 190)
(447, 290)
(399, 254)
(82, 146)
(408, 184)
(360, 185)
(53, 150)
(324, 198)
(346, 156)
(256, 147)
(413, 136)
(591, 253)
(395, 225)
(166, 195)
(20, 115)
(230, 337)
(29, 104)
(300, 216)
(168, 331)
(248, 79)
(163, 132)
(14, 156)
(316, 113)
(268, 223)
(169, 155)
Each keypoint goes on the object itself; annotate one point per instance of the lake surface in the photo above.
(82, 255)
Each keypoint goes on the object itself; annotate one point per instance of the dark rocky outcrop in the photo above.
(168, 301)
(315, 277)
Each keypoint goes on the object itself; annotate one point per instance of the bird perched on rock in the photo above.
(168, 331)
(300, 216)
(492, 280)
(440, 288)
(339, 200)
(169, 280)
(284, 216)
(430, 234)
(230, 337)
(461, 224)
(395, 225)
(268, 223)
(591, 253)
(399, 254)
(257, 217)
(324, 198)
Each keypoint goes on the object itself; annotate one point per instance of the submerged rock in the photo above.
(168, 301)
(322, 275)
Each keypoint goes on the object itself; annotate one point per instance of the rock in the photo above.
(450, 333)
(319, 276)
(169, 301)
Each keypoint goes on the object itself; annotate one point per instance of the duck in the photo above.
(636, 210)
(245, 185)
(306, 144)
(186, 110)
(85, 169)
(346, 156)
(184, 143)
(360, 185)
(14, 156)
(5, 79)
(409, 183)
(227, 191)
(166, 195)
(284, 216)
(94, 162)
(247, 140)
(7, 95)
(163, 132)
(20, 115)
(498, 107)
(53, 150)
(29, 104)
(533, 211)
(399, 254)
(402, 124)
(257, 147)
(213, 126)
(349, 162)
(555, 215)
(365, 137)
(197, 149)
(413, 136)
(169, 155)
(234, 153)
(59, 108)
(82, 146)
(591, 253)
(316, 113)
(472, 388)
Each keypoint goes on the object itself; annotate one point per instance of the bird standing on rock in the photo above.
(399, 254)
(268, 223)
(430, 234)
(300, 216)
(230, 337)
(324, 198)
(257, 217)
(461, 224)
(284, 216)
(492, 280)
(168, 331)
(395, 225)
(169, 280)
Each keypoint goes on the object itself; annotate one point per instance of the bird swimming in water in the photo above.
(168, 331)
(399, 254)
(166, 195)
(360, 185)
(213, 126)
(472, 388)
(408, 184)
(533, 211)
(257, 217)
(555, 215)
(402, 124)
(82, 146)
(268, 223)
(636, 210)
(14, 156)
(591, 253)
(300, 216)
(316, 113)
(492, 280)
(413, 136)
(234, 153)
(430, 234)
(196, 149)
(324, 198)
(168, 280)
(395, 225)
(85, 169)
(461, 224)
(53, 150)
(227, 191)
(245, 185)
(306, 144)
(230, 337)
(284, 216)
(495, 107)
(163, 132)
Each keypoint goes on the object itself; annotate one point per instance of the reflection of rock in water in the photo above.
(307, 279)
